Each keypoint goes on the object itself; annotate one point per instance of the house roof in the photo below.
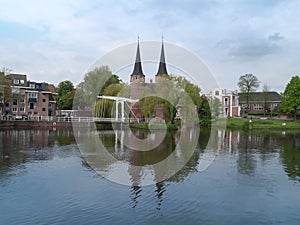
(270, 96)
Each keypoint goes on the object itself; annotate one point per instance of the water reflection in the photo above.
(19, 147)
(290, 155)
(260, 147)
(248, 152)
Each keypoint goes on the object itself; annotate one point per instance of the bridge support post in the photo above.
(122, 111)
(117, 110)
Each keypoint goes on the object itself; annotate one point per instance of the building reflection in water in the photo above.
(251, 150)
(18, 147)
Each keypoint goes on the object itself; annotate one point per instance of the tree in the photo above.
(4, 89)
(204, 112)
(64, 97)
(216, 107)
(171, 91)
(5, 71)
(93, 85)
(248, 83)
(266, 98)
(291, 97)
(103, 107)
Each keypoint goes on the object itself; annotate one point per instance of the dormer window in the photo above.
(217, 93)
(16, 81)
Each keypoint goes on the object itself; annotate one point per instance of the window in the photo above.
(32, 86)
(217, 93)
(44, 109)
(226, 101)
(226, 111)
(32, 94)
(15, 90)
(16, 81)
(44, 100)
(22, 109)
(22, 100)
(15, 102)
(22, 81)
(258, 107)
(245, 106)
(31, 105)
(35, 113)
(15, 109)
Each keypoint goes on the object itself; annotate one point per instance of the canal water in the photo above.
(254, 179)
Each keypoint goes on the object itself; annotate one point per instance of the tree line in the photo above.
(101, 81)
(290, 98)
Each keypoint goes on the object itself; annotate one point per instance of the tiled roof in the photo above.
(271, 96)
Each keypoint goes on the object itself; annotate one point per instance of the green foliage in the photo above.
(248, 83)
(148, 104)
(65, 95)
(93, 85)
(291, 96)
(4, 87)
(240, 123)
(173, 90)
(204, 112)
(265, 98)
(263, 113)
(114, 89)
(103, 107)
(216, 108)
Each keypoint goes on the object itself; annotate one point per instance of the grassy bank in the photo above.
(242, 123)
(153, 126)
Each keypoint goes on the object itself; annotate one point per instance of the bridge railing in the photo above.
(78, 119)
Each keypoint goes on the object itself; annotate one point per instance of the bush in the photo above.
(262, 113)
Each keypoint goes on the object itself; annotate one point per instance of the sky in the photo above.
(60, 40)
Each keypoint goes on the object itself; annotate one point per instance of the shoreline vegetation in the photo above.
(231, 124)
(244, 124)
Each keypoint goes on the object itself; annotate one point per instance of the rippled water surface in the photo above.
(254, 180)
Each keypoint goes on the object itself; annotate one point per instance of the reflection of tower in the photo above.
(160, 189)
(135, 194)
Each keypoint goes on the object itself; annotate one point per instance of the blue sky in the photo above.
(60, 39)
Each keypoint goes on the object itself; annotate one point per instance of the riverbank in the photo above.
(7, 124)
(154, 126)
(243, 123)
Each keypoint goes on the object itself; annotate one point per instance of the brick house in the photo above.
(260, 101)
(229, 102)
(27, 98)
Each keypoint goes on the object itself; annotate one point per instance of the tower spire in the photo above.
(162, 69)
(137, 70)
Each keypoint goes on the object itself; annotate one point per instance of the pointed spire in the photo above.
(137, 70)
(162, 69)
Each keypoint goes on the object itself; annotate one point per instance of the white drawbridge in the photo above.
(122, 101)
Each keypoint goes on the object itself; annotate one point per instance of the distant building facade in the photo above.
(229, 102)
(260, 101)
(28, 98)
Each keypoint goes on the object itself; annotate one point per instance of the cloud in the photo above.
(276, 37)
(53, 40)
(252, 49)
